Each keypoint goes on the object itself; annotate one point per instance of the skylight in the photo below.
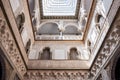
(59, 7)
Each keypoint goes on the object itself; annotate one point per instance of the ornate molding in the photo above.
(109, 45)
(8, 42)
(56, 75)
(58, 37)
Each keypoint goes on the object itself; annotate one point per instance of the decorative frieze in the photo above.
(58, 37)
(56, 75)
(8, 42)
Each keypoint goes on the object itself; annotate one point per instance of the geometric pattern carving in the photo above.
(56, 75)
(8, 43)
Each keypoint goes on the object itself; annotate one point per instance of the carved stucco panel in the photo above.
(56, 75)
(8, 42)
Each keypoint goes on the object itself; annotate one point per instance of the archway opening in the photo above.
(48, 29)
(71, 30)
(46, 54)
(73, 54)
